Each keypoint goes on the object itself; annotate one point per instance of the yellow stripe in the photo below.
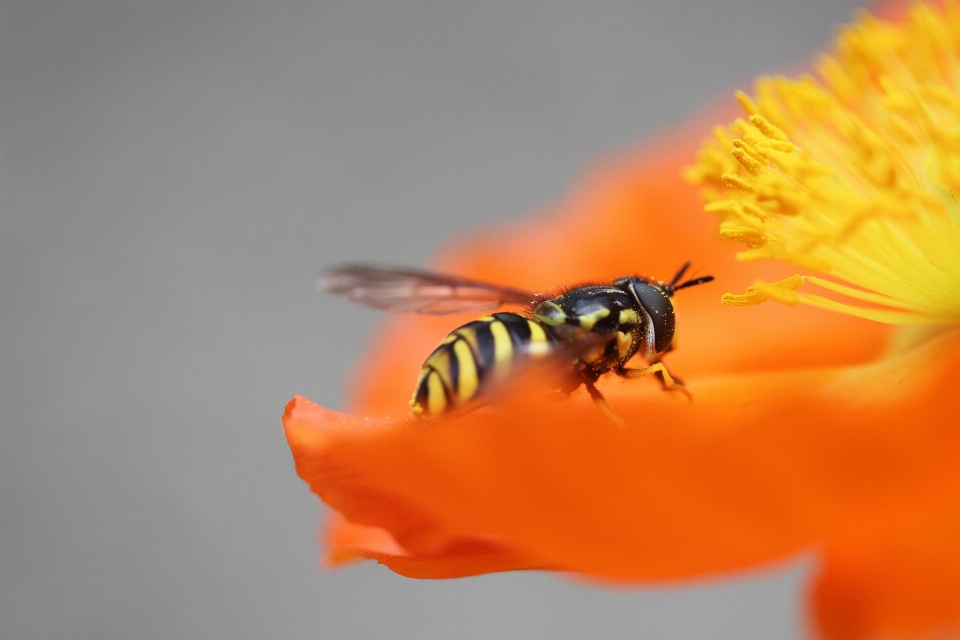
(440, 360)
(470, 336)
(550, 313)
(486, 319)
(538, 340)
(467, 380)
(436, 397)
(628, 316)
(589, 320)
(502, 348)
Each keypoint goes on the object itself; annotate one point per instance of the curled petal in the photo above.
(348, 542)
(758, 467)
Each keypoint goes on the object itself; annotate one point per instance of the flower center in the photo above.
(855, 176)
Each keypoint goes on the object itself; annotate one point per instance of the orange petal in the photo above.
(632, 214)
(758, 467)
(377, 518)
(347, 542)
(901, 580)
(458, 563)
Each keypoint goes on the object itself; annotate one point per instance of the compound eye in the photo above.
(660, 310)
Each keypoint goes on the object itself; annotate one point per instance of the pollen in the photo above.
(854, 175)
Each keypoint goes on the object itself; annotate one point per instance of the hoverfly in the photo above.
(599, 326)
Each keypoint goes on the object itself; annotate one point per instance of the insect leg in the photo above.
(660, 374)
(602, 403)
(658, 369)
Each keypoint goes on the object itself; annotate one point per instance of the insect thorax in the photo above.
(597, 311)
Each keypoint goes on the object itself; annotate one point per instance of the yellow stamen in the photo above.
(782, 291)
(856, 175)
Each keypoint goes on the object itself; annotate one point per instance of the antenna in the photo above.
(672, 286)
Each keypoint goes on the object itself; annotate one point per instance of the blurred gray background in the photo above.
(175, 172)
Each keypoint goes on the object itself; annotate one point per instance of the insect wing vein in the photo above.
(408, 290)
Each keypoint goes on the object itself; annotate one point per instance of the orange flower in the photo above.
(810, 429)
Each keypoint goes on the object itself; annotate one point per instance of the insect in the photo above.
(599, 326)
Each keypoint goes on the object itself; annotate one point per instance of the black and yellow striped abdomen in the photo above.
(472, 356)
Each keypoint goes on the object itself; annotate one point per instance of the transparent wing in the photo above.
(414, 291)
(588, 346)
(558, 367)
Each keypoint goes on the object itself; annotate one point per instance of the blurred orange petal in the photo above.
(901, 580)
